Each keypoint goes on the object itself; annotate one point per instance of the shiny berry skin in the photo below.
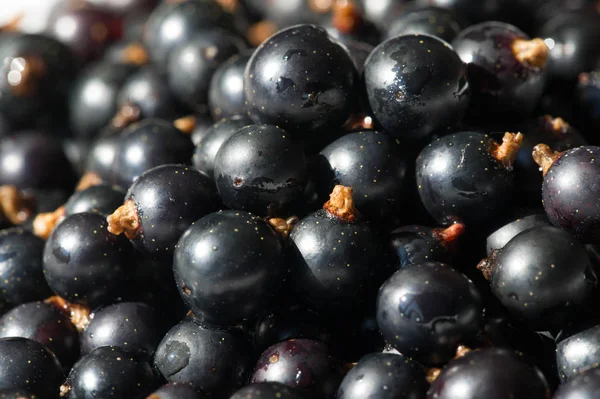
(214, 137)
(133, 326)
(492, 373)
(374, 165)
(176, 391)
(260, 170)
(27, 364)
(217, 362)
(384, 375)
(110, 372)
(577, 352)
(459, 180)
(426, 20)
(414, 244)
(102, 153)
(502, 236)
(84, 263)
(567, 205)
(303, 364)
(426, 310)
(146, 144)
(582, 386)
(226, 96)
(416, 85)
(22, 279)
(46, 324)
(542, 277)
(102, 198)
(500, 82)
(267, 390)
(228, 267)
(301, 80)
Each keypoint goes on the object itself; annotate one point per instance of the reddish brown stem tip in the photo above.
(358, 122)
(531, 53)
(544, 156)
(125, 116)
(346, 16)
(13, 24)
(14, 205)
(506, 153)
(433, 373)
(187, 124)
(89, 179)
(486, 266)
(79, 314)
(124, 220)
(558, 126)
(44, 223)
(341, 204)
(260, 31)
(449, 235)
(135, 54)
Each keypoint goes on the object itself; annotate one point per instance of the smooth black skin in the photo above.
(581, 33)
(102, 198)
(226, 96)
(102, 153)
(588, 105)
(304, 364)
(133, 326)
(111, 372)
(582, 386)
(491, 373)
(146, 144)
(458, 180)
(502, 236)
(93, 99)
(542, 277)
(217, 362)
(193, 63)
(168, 199)
(416, 85)
(172, 23)
(46, 324)
(76, 151)
(301, 80)
(214, 137)
(267, 390)
(177, 391)
(426, 20)
(502, 88)
(337, 266)
(228, 267)
(426, 310)
(578, 352)
(27, 364)
(414, 244)
(86, 264)
(384, 12)
(571, 193)
(149, 91)
(203, 123)
(22, 279)
(260, 169)
(35, 160)
(384, 376)
(375, 166)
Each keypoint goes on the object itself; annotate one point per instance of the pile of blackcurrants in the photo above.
(301, 199)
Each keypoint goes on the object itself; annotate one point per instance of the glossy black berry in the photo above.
(226, 96)
(84, 263)
(301, 80)
(492, 373)
(303, 364)
(228, 267)
(384, 375)
(374, 165)
(28, 365)
(427, 310)
(542, 277)
(416, 85)
(505, 69)
(177, 391)
(581, 386)
(426, 20)
(133, 326)
(214, 137)
(102, 198)
(102, 153)
(499, 238)
(578, 352)
(467, 177)
(160, 205)
(260, 169)
(217, 362)
(267, 390)
(110, 372)
(21, 275)
(147, 144)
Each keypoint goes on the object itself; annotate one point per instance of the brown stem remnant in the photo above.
(14, 205)
(449, 235)
(283, 226)
(228, 5)
(187, 124)
(125, 116)
(260, 31)
(24, 74)
(557, 126)
(320, 6)
(64, 390)
(506, 152)
(433, 373)
(341, 204)
(346, 16)
(44, 223)
(13, 24)
(79, 314)
(135, 54)
(358, 122)
(544, 156)
(486, 266)
(124, 220)
(531, 53)
(89, 179)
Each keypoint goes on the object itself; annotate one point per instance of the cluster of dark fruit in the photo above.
(237, 199)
